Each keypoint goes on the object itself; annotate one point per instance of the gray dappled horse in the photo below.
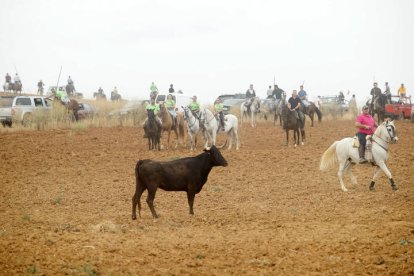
(272, 106)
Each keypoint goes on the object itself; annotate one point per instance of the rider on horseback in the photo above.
(171, 90)
(294, 104)
(194, 106)
(366, 126)
(70, 81)
(375, 92)
(170, 105)
(154, 90)
(250, 94)
(218, 108)
(277, 92)
(303, 96)
(17, 79)
(8, 78)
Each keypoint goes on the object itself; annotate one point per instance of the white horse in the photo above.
(7, 87)
(254, 108)
(193, 125)
(345, 154)
(212, 127)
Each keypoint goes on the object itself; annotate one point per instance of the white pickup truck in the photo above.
(20, 109)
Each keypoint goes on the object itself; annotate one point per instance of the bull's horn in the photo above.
(222, 146)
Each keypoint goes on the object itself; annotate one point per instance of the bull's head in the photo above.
(215, 156)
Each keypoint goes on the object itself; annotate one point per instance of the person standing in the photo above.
(402, 92)
(366, 126)
(40, 85)
(387, 92)
(171, 90)
(353, 106)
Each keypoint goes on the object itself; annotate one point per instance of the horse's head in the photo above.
(388, 131)
(151, 115)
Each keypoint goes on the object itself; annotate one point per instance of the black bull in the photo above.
(186, 174)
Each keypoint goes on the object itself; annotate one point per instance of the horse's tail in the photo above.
(329, 158)
(319, 113)
(181, 128)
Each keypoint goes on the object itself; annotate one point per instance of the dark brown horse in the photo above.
(71, 105)
(311, 109)
(291, 122)
(152, 131)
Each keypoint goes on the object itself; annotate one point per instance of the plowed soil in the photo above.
(65, 208)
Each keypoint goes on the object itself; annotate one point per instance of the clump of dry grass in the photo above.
(58, 117)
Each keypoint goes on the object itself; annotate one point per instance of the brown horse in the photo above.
(71, 105)
(311, 109)
(168, 125)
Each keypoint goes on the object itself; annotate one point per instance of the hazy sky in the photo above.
(207, 48)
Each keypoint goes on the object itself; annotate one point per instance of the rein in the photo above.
(382, 139)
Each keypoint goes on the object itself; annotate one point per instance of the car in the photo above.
(180, 99)
(399, 109)
(230, 103)
(232, 96)
(129, 108)
(334, 101)
(87, 110)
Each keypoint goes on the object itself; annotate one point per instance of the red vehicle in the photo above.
(399, 109)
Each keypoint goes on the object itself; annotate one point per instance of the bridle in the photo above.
(389, 139)
(187, 117)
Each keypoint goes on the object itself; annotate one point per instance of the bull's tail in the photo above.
(329, 158)
(139, 189)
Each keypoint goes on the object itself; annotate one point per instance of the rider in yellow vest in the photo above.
(402, 92)
(218, 108)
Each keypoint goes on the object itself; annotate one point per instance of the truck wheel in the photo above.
(27, 120)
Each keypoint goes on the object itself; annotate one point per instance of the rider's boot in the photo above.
(361, 151)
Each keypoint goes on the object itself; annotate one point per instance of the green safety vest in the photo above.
(218, 107)
(154, 107)
(170, 103)
(194, 106)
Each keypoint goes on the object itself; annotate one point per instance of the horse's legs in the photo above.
(347, 170)
(302, 132)
(311, 115)
(287, 136)
(230, 137)
(236, 137)
(388, 174)
(340, 176)
(376, 174)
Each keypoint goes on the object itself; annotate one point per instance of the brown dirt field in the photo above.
(65, 208)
